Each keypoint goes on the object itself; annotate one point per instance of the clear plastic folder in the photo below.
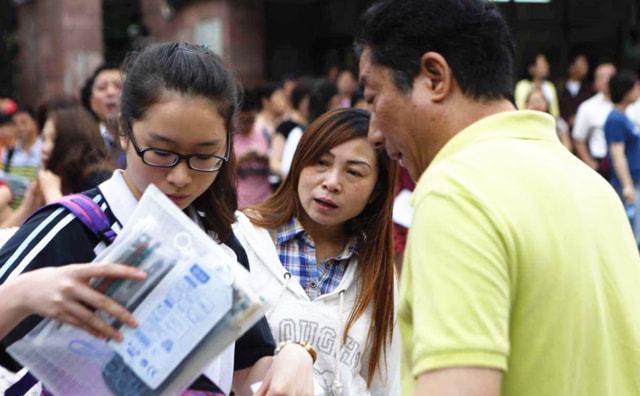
(196, 300)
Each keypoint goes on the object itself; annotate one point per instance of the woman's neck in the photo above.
(28, 143)
(622, 106)
(132, 187)
(538, 82)
(329, 240)
(298, 117)
(267, 118)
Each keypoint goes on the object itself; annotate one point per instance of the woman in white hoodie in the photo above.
(330, 277)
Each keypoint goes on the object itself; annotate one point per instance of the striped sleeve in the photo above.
(53, 237)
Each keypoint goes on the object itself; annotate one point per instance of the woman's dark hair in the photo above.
(321, 94)
(87, 88)
(372, 228)
(537, 91)
(303, 89)
(357, 95)
(195, 71)
(249, 100)
(264, 91)
(530, 61)
(621, 84)
(79, 151)
(471, 35)
(46, 108)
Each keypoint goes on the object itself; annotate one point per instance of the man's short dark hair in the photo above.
(621, 84)
(574, 55)
(470, 34)
(264, 91)
(302, 90)
(23, 108)
(249, 100)
(5, 119)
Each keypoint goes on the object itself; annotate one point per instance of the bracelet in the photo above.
(307, 347)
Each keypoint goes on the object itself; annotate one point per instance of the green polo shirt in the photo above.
(521, 258)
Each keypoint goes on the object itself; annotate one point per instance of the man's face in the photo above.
(602, 76)
(540, 69)
(398, 122)
(26, 126)
(580, 67)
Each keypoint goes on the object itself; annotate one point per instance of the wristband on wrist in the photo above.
(307, 347)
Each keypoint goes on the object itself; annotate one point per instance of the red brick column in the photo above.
(59, 44)
(236, 26)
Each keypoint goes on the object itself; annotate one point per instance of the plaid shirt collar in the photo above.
(293, 229)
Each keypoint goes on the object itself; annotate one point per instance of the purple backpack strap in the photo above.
(89, 213)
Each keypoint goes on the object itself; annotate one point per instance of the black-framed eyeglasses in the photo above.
(160, 158)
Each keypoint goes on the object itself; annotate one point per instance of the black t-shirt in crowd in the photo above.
(287, 126)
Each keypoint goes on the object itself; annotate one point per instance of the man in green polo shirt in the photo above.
(521, 274)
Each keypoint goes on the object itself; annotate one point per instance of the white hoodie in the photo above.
(321, 322)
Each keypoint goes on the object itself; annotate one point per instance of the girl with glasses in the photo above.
(177, 106)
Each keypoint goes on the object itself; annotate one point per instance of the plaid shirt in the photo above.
(298, 256)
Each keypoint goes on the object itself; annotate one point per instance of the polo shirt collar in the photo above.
(519, 124)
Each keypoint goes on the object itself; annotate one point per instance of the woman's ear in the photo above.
(123, 137)
(436, 75)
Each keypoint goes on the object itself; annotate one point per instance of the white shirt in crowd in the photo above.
(589, 124)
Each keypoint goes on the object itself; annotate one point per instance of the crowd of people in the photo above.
(519, 275)
(597, 121)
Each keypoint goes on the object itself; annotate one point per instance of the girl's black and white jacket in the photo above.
(55, 237)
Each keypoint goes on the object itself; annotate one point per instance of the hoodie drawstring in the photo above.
(287, 279)
(336, 387)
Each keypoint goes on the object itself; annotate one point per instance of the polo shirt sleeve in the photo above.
(457, 287)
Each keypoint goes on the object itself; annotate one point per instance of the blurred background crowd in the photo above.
(60, 83)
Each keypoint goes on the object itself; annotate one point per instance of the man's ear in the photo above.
(437, 75)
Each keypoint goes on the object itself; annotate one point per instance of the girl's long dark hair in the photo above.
(372, 228)
(78, 150)
(189, 70)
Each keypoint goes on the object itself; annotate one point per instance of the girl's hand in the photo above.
(629, 194)
(33, 198)
(291, 374)
(63, 294)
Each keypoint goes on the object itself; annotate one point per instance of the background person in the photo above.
(575, 89)
(251, 149)
(322, 98)
(623, 138)
(588, 136)
(514, 241)
(73, 159)
(101, 96)
(298, 118)
(536, 101)
(537, 78)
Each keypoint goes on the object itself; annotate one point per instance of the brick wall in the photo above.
(60, 44)
(232, 27)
